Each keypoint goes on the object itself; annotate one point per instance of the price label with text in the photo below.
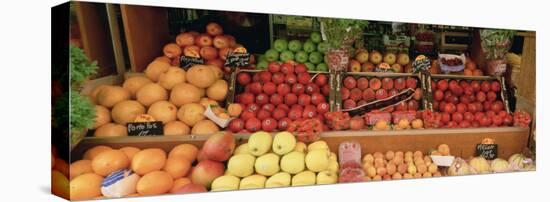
(145, 128)
(237, 60)
(186, 61)
(487, 151)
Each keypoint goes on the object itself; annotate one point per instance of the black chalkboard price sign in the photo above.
(145, 128)
(487, 151)
(186, 61)
(237, 60)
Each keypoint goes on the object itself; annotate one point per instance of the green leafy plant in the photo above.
(496, 42)
(342, 33)
(80, 67)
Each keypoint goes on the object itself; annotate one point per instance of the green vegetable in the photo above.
(342, 33)
(80, 67)
(80, 115)
(496, 42)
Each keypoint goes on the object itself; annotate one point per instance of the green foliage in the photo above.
(496, 42)
(81, 114)
(342, 33)
(80, 67)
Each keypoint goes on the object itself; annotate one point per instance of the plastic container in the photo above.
(372, 117)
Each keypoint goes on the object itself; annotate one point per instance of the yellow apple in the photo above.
(317, 160)
(280, 179)
(253, 182)
(320, 144)
(403, 59)
(241, 165)
(362, 56)
(375, 57)
(327, 177)
(259, 143)
(411, 169)
(333, 157)
(225, 183)
(241, 149)
(267, 164)
(304, 178)
(283, 143)
(390, 58)
(300, 147)
(333, 166)
(293, 162)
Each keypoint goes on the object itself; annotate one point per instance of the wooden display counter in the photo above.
(462, 142)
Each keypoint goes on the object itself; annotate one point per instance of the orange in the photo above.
(93, 152)
(188, 151)
(80, 167)
(177, 167)
(179, 183)
(130, 151)
(87, 186)
(110, 161)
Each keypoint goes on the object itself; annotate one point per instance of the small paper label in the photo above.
(186, 61)
(237, 60)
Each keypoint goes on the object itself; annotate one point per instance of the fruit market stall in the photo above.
(204, 107)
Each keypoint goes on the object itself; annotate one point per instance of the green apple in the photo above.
(293, 162)
(262, 64)
(262, 58)
(286, 55)
(280, 45)
(280, 179)
(241, 149)
(300, 147)
(317, 160)
(295, 45)
(333, 166)
(304, 178)
(320, 144)
(225, 183)
(322, 67)
(241, 165)
(301, 56)
(253, 182)
(316, 57)
(271, 55)
(327, 177)
(310, 66)
(315, 37)
(283, 142)
(322, 47)
(309, 46)
(259, 143)
(267, 164)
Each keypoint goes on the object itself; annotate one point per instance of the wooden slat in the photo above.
(527, 75)
(146, 30)
(95, 36)
(461, 141)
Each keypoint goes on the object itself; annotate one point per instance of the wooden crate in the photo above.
(461, 141)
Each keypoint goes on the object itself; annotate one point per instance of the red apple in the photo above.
(298, 88)
(485, 86)
(362, 83)
(256, 77)
(191, 188)
(278, 114)
(203, 40)
(417, 94)
(236, 125)
(355, 94)
(480, 96)
(350, 82)
(323, 108)
(246, 98)
(253, 124)
(269, 125)
(468, 116)
(223, 52)
(387, 83)
(262, 99)
(497, 106)
(291, 78)
(185, 39)
(268, 107)
(497, 120)
(491, 96)
(368, 95)
(310, 111)
(411, 83)
(220, 42)
(375, 83)
(214, 29)
(438, 95)
(265, 76)
(304, 99)
(295, 113)
(304, 78)
(254, 107)
(461, 108)
(393, 92)
(300, 68)
(209, 53)
(276, 99)
(381, 94)
(269, 88)
(311, 88)
(357, 123)
(245, 115)
(326, 90)
(287, 68)
(450, 108)
(283, 89)
(243, 78)
(283, 124)
(412, 105)
(255, 87)
(345, 93)
(317, 98)
(399, 83)
(442, 85)
(283, 107)
(402, 106)
(274, 67)
(445, 117)
(475, 86)
(495, 86)
(321, 79)
(278, 78)
(215, 62)
(291, 99)
(457, 117)
(349, 103)
(206, 171)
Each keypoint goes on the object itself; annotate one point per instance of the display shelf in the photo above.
(461, 141)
